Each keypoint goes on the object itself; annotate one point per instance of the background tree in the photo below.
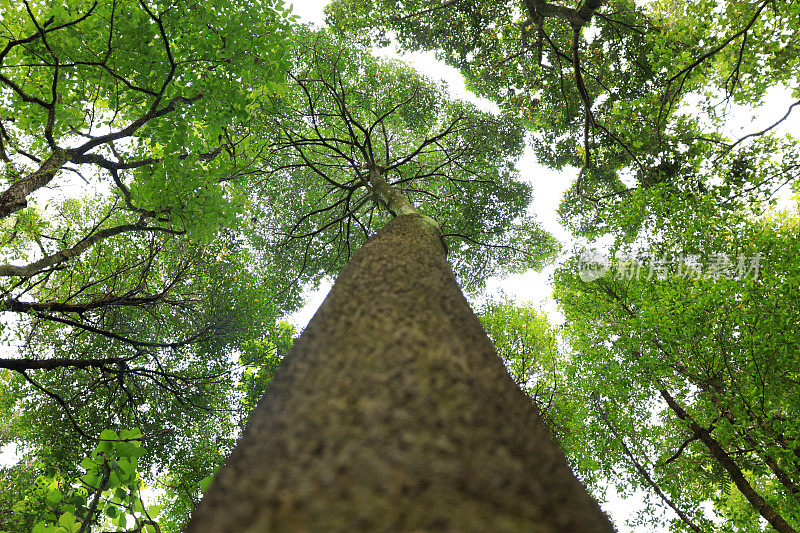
(129, 284)
(718, 353)
(529, 348)
(108, 494)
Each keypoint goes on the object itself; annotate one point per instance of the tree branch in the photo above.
(64, 255)
(20, 365)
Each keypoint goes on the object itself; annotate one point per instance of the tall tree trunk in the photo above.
(393, 413)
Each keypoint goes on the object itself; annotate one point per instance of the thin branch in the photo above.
(447, 3)
(765, 130)
(646, 476)
(68, 253)
(20, 365)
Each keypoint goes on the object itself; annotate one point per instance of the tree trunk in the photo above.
(393, 413)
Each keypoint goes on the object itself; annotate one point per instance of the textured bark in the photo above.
(393, 413)
(16, 196)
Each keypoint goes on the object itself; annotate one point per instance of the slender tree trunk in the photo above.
(393, 413)
(718, 452)
(640, 468)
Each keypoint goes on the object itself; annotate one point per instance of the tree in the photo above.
(675, 383)
(392, 409)
(714, 359)
(128, 278)
(636, 98)
(427, 140)
(365, 140)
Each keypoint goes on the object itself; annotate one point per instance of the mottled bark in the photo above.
(16, 196)
(393, 413)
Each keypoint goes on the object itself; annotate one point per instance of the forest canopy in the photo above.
(176, 174)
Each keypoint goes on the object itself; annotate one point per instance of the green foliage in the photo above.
(214, 188)
(528, 346)
(725, 349)
(346, 111)
(106, 492)
(260, 359)
(139, 256)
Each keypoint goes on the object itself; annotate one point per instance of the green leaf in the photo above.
(103, 448)
(69, 523)
(113, 481)
(54, 497)
(66, 519)
(134, 433)
(92, 479)
(109, 434)
(205, 482)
